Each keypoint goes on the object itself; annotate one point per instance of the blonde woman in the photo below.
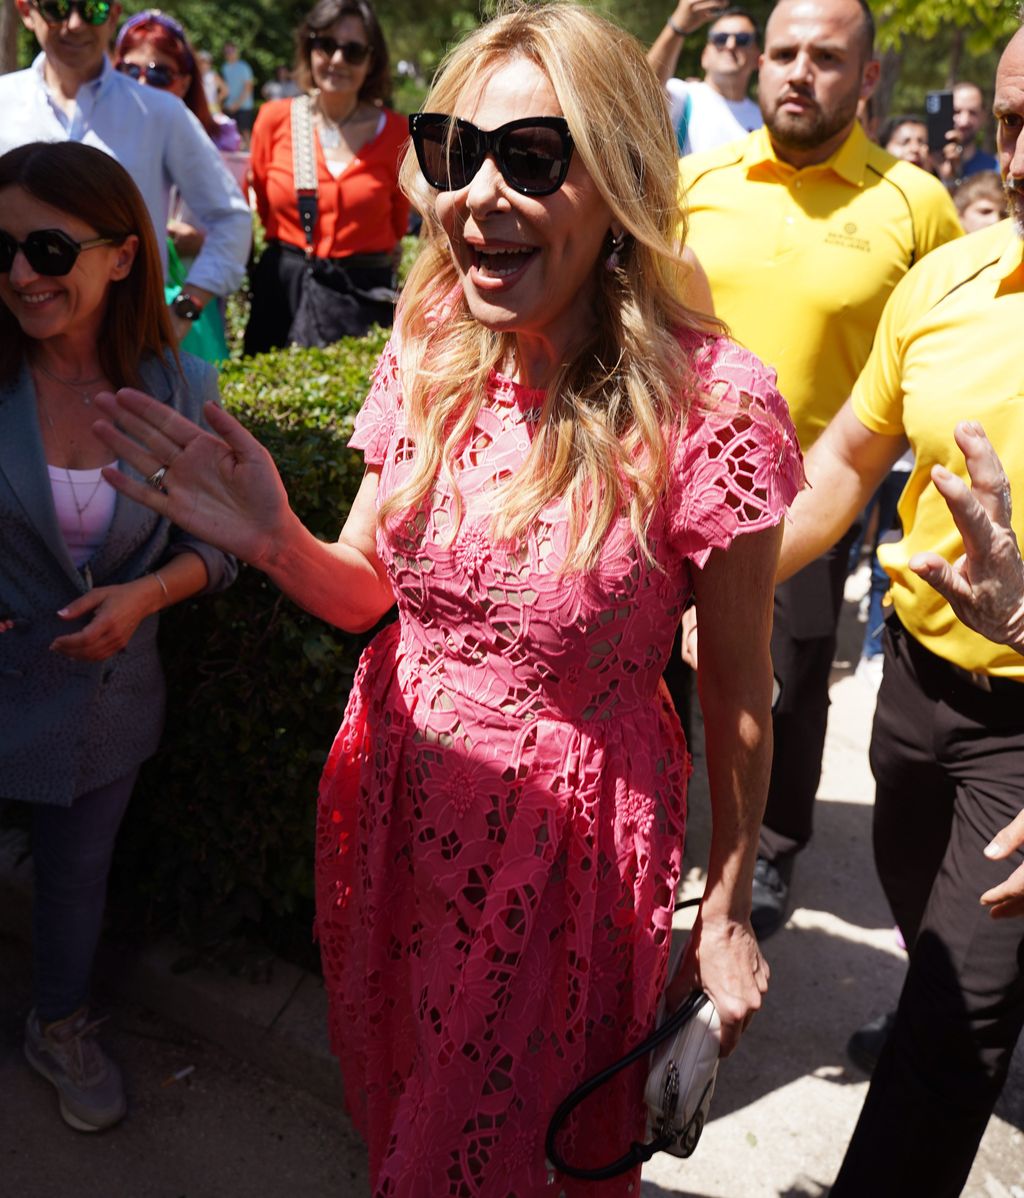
(559, 455)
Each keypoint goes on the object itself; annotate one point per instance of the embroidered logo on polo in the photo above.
(847, 238)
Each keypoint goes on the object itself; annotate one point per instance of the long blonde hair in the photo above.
(602, 439)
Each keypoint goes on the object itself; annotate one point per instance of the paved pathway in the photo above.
(228, 1130)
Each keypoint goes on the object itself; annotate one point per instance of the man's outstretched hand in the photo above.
(985, 586)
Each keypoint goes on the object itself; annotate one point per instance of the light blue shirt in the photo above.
(159, 143)
(236, 75)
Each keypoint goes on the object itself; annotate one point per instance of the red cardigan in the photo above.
(360, 212)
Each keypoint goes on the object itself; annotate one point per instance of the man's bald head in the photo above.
(867, 23)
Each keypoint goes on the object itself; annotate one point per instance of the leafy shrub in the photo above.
(220, 834)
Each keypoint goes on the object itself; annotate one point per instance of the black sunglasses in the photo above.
(533, 153)
(48, 251)
(152, 74)
(721, 40)
(56, 12)
(354, 53)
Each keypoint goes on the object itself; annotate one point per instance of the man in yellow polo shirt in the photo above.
(804, 227)
(947, 746)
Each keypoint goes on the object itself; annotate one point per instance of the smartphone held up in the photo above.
(938, 111)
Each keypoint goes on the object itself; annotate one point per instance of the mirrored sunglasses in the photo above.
(533, 153)
(152, 74)
(721, 40)
(354, 53)
(48, 251)
(56, 12)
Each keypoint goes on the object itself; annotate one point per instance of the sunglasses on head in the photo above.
(48, 251)
(354, 53)
(721, 40)
(56, 12)
(152, 74)
(533, 154)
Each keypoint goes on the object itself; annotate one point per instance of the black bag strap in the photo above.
(304, 167)
(637, 1153)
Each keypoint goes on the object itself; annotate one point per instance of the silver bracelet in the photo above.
(163, 585)
(675, 28)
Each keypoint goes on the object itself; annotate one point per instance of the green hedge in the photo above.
(219, 838)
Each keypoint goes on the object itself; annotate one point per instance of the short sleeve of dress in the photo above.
(375, 422)
(737, 466)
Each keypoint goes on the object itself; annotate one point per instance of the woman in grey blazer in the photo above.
(83, 573)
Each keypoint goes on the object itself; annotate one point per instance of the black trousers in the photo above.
(807, 608)
(948, 761)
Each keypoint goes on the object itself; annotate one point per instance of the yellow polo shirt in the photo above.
(947, 349)
(801, 262)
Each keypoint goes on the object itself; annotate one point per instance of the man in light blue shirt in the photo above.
(71, 93)
(238, 103)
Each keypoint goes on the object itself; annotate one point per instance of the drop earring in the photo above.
(612, 263)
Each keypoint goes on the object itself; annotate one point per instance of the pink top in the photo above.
(501, 818)
(84, 502)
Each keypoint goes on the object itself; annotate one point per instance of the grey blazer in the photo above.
(68, 726)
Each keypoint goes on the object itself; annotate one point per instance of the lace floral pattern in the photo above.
(501, 816)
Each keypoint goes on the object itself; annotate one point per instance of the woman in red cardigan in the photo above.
(342, 62)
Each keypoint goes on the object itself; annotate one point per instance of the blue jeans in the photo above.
(886, 498)
(72, 849)
(872, 646)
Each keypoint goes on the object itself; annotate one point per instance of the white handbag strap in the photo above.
(304, 166)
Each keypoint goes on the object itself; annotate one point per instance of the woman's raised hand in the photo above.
(221, 486)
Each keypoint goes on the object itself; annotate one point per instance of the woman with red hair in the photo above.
(153, 49)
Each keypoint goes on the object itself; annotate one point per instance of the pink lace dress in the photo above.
(501, 816)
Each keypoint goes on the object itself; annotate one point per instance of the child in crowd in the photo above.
(980, 201)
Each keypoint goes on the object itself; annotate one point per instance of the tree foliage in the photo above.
(262, 29)
(986, 24)
(931, 38)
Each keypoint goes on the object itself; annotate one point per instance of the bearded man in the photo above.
(804, 228)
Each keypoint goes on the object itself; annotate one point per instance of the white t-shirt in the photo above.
(713, 120)
(209, 79)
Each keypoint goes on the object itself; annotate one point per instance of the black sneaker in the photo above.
(770, 907)
(865, 1046)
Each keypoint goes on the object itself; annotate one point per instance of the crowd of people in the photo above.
(637, 303)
